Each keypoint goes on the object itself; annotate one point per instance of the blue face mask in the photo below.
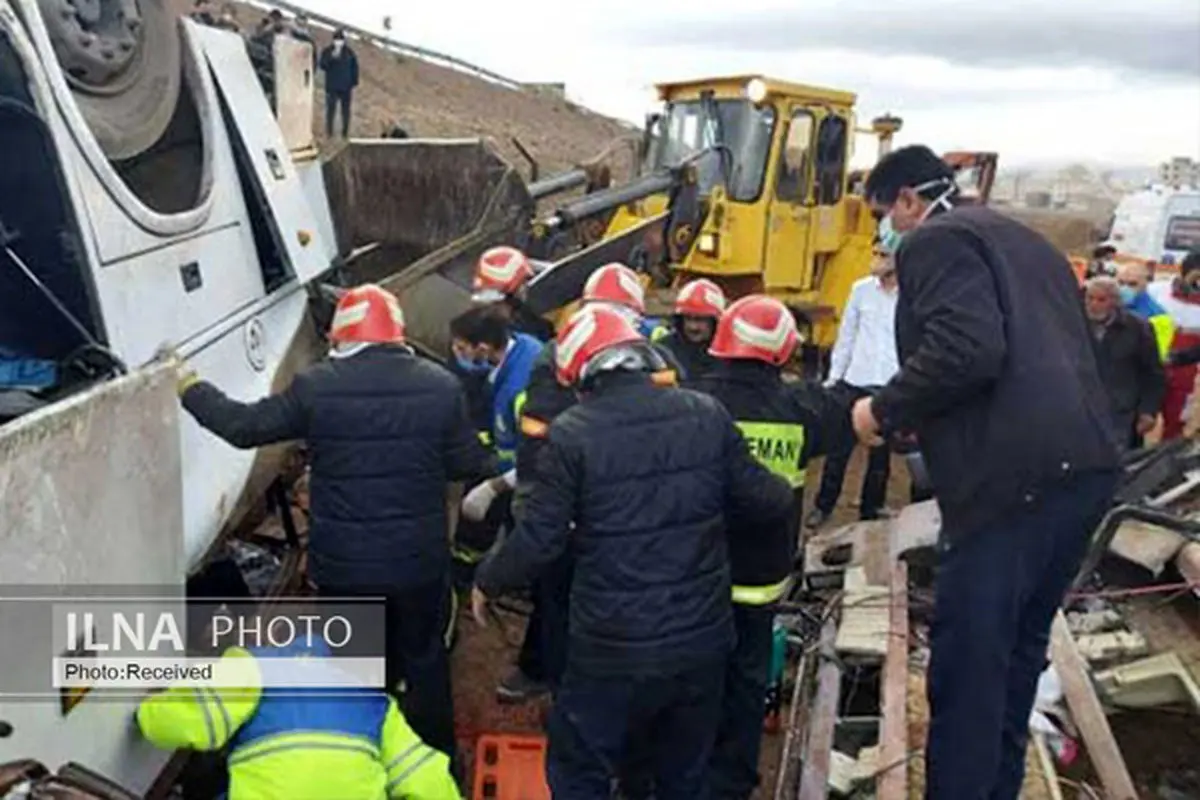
(473, 366)
(1128, 295)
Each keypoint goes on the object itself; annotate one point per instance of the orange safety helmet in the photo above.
(618, 284)
(368, 314)
(499, 273)
(589, 332)
(757, 327)
(700, 298)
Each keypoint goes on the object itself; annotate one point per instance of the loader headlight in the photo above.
(756, 90)
(707, 244)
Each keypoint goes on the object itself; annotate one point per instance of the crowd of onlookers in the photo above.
(337, 61)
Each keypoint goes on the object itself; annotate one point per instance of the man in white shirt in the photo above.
(863, 360)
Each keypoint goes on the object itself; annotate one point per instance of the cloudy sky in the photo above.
(1114, 81)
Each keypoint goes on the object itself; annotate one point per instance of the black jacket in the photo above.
(545, 399)
(693, 358)
(786, 425)
(341, 71)
(387, 431)
(649, 476)
(1131, 369)
(998, 376)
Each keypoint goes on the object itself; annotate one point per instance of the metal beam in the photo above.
(814, 775)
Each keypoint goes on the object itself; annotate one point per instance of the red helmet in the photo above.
(757, 327)
(367, 314)
(618, 284)
(700, 298)
(588, 333)
(500, 272)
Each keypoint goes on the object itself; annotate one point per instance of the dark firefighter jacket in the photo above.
(694, 358)
(998, 377)
(544, 399)
(649, 476)
(785, 425)
(387, 431)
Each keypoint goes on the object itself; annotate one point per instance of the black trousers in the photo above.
(734, 772)
(874, 486)
(997, 591)
(592, 727)
(332, 101)
(417, 619)
(543, 655)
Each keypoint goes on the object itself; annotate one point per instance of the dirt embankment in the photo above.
(428, 100)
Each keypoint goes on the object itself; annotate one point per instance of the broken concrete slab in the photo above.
(828, 555)
(1082, 622)
(866, 616)
(1159, 680)
(1149, 546)
(916, 526)
(1113, 645)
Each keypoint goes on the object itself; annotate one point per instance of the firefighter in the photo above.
(785, 425)
(482, 341)
(287, 744)
(502, 277)
(388, 430)
(637, 482)
(542, 656)
(698, 306)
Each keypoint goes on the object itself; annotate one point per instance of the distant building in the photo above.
(1180, 171)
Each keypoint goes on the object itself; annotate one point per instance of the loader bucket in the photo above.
(429, 208)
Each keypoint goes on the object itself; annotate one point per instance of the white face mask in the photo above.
(890, 238)
(338, 44)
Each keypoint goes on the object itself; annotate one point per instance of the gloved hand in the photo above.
(186, 376)
(476, 503)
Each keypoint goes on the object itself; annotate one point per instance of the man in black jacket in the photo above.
(1129, 362)
(340, 65)
(999, 381)
(649, 477)
(698, 306)
(387, 431)
(785, 425)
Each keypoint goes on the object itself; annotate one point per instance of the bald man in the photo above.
(1130, 366)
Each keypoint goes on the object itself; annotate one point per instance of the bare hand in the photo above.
(1145, 423)
(866, 427)
(479, 606)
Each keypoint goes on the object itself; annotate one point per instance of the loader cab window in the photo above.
(791, 180)
(687, 128)
(831, 160)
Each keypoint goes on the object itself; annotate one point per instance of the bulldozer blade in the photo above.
(641, 247)
(429, 208)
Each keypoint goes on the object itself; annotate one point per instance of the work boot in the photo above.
(815, 519)
(518, 687)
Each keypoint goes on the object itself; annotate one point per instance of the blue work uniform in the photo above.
(508, 390)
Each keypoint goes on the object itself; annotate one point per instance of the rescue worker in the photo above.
(502, 276)
(388, 430)
(785, 426)
(481, 338)
(698, 306)
(355, 744)
(542, 656)
(648, 477)
(999, 381)
(1181, 299)
(1133, 279)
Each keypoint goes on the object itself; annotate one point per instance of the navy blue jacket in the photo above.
(998, 375)
(387, 431)
(649, 476)
(341, 70)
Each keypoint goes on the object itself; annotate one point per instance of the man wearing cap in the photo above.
(388, 430)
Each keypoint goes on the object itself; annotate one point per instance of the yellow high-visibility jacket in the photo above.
(300, 746)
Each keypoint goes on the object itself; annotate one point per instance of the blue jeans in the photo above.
(674, 717)
(998, 589)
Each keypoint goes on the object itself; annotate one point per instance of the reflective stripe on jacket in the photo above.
(303, 745)
(512, 376)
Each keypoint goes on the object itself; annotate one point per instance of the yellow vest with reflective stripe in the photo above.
(1164, 333)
